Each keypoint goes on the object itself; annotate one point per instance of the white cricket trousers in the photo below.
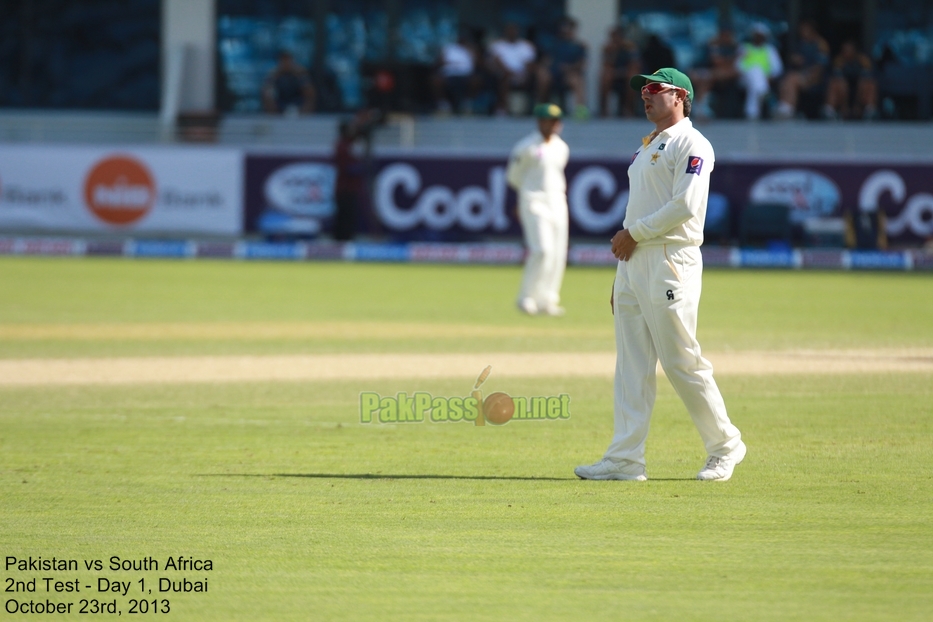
(657, 295)
(545, 232)
(756, 87)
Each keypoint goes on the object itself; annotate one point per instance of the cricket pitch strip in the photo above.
(334, 367)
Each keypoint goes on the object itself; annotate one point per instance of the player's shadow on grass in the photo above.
(388, 476)
(425, 476)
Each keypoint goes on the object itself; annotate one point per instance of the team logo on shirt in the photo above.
(654, 158)
(694, 165)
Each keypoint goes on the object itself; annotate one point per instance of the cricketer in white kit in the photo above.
(656, 293)
(536, 172)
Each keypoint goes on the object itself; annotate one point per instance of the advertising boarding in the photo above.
(174, 191)
(422, 197)
(462, 199)
(191, 191)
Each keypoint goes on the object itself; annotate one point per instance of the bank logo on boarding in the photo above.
(694, 165)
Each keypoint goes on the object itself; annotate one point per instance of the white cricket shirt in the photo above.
(669, 187)
(457, 60)
(536, 170)
(515, 55)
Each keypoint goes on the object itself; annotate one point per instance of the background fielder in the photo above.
(536, 172)
(656, 293)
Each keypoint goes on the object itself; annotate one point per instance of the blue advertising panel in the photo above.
(460, 199)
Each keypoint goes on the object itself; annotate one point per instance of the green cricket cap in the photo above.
(547, 111)
(668, 75)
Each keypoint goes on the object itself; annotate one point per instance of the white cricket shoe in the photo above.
(555, 310)
(528, 306)
(610, 469)
(719, 469)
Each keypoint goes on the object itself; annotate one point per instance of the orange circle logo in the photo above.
(119, 190)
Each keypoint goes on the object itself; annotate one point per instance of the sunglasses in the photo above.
(653, 88)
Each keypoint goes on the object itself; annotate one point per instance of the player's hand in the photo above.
(623, 245)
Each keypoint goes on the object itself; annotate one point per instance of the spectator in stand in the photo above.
(621, 61)
(288, 89)
(807, 70)
(720, 70)
(455, 76)
(564, 69)
(514, 65)
(759, 63)
(656, 54)
(485, 76)
(853, 90)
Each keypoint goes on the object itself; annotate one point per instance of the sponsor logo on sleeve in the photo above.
(694, 165)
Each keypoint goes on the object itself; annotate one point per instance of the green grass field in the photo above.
(306, 514)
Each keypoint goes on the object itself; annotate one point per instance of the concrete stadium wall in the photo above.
(778, 141)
